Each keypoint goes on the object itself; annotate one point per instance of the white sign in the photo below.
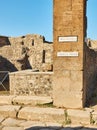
(68, 39)
(72, 54)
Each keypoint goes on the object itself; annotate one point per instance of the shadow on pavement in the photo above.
(60, 128)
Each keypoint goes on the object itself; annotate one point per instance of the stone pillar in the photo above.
(69, 35)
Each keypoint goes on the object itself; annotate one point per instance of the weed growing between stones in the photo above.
(67, 119)
(92, 121)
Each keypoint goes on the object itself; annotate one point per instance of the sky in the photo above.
(21, 17)
(92, 19)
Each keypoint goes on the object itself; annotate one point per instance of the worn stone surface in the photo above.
(1, 118)
(31, 124)
(51, 124)
(25, 52)
(31, 100)
(70, 87)
(31, 83)
(79, 116)
(6, 100)
(13, 128)
(42, 114)
(12, 122)
(9, 110)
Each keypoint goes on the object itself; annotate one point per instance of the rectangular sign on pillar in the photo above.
(68, 88)
(68, 39)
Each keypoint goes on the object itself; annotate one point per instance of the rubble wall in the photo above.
(25, 52)
(31, 83)
(90, 70)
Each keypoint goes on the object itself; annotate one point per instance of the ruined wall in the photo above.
(32, 83)
(26, 52)
(90, 69)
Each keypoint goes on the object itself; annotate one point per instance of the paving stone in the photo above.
(1, 126)
(89, 109)
(77, 126)
(94, 116)
(1, 118)
(95, 108)
(6, 100)
(13, 128)
(42, 114)
(12, 122)
(79, 116)
(91, 127)
(31, 100)
(30, 124)
(53, 124)
(9, 110)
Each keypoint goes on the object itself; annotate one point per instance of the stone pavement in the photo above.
(38, 113)
(17, 124)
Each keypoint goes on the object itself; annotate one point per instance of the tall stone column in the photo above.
(69, 36)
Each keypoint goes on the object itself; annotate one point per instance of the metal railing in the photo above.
(3, 77)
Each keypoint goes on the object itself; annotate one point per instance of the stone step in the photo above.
(42, 114)
(6, 100)
(24, 100)
(9, 110)
(47, 114)
(32, 108)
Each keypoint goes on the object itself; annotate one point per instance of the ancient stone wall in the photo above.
(26, 52)
(27, 82)
(90, 69)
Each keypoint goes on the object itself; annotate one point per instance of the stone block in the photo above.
(42, 114)
(1, 118)
(31, 100)
(68, 100)
(12, 122)
(67, 89)
(94, 117)
(9, 110)
(6, 100)
(68, 63)
(12, 128)
(30, 124)
(79, 116)
(76, 81)
(51, 124)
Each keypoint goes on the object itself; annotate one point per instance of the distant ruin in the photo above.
(30, 52)
(25, 52)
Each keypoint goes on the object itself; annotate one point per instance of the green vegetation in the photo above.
(91, 119)
(67, 119)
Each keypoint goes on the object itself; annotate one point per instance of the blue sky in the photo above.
(92, 19)
(21, 17)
